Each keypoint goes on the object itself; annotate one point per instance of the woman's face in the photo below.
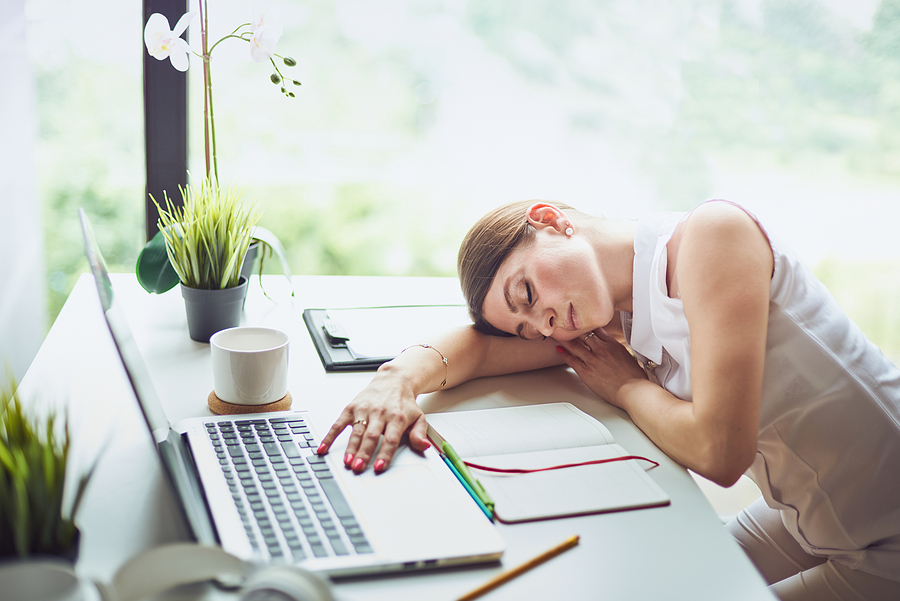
(552, 288)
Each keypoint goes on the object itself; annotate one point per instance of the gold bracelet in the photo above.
(443, 358)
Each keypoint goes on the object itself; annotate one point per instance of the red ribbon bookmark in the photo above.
(557, 467)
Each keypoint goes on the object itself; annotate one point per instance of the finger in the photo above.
(418, 440)
(342, 422)
(418, 434)
(570, 359)
(357, 431)
(587, 339)
(393, 433)
(370, 440)
(573, 350)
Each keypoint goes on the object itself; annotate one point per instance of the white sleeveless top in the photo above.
(829, 427)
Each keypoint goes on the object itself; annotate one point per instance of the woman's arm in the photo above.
(388, 403)
(722, 271)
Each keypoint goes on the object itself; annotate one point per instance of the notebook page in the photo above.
(571, 491)
(519, 429)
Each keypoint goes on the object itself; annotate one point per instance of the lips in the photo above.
(572, 324)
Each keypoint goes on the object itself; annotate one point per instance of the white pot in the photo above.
(44, 579)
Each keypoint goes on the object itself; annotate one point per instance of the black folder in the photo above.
(338, 340)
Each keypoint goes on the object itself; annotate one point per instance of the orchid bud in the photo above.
(297, 83)
(275, 79)
(290, 62)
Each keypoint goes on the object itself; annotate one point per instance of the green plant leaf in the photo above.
(83, 483)
(22, 526)
(271, 240)
(154, 270)
(6, 458)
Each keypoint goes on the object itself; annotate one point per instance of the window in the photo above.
(417, 116)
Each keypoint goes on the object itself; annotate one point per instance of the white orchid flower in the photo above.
(266, 32)
(163, 42)
(262, 45)
(263, 16)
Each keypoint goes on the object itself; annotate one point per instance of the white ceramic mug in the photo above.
(250, 365)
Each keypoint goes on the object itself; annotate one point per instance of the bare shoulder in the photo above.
(718, 217)
(717, 237)
(724, 227)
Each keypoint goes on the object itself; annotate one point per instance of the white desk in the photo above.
(675, 552)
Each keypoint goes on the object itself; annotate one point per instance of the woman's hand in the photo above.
(387, 406)
(602, 363)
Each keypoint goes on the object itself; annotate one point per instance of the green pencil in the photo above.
(463, 469)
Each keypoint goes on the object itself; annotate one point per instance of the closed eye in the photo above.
(528, 292)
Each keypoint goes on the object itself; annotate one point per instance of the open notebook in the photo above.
(539, 436)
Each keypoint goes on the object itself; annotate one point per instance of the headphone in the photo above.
(161, 569)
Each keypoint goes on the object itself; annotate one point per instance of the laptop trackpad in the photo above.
(418, 510)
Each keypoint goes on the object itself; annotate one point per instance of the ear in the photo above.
(541, 215)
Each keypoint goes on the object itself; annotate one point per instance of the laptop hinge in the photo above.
(176, 454)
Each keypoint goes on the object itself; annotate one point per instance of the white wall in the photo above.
(22, 289)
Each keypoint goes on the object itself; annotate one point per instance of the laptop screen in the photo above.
(175, 459)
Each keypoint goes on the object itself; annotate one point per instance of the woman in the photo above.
(744, 362)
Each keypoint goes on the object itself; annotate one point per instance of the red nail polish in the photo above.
(560, 350)
(358, 465)
(348, 458)
(379, 465)
(427, 446)
(321, 449)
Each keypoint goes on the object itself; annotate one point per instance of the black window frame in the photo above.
(165, 119)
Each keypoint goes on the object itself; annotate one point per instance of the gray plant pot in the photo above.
(249, 264)
(209, 311)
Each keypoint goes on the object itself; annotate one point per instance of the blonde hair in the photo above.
(485, 247)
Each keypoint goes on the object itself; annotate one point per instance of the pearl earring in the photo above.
(569, 230)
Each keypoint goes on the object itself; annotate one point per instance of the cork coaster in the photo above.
(220, 407)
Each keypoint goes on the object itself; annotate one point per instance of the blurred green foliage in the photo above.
(869, 292)
(88, 149)
(357, 229)
(797, 85)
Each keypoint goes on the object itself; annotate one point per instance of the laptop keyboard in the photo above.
(291, 507)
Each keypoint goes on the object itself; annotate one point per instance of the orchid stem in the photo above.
(212, 124)
(209, 120)
(229, 36)
(206, 108)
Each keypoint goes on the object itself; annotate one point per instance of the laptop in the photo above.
(253, 484)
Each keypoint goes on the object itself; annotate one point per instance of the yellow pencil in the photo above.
(507, 576)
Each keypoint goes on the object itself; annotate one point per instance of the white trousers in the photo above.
(793, 574)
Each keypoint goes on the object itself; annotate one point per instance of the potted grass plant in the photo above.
(206, 241)
(36, 518)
